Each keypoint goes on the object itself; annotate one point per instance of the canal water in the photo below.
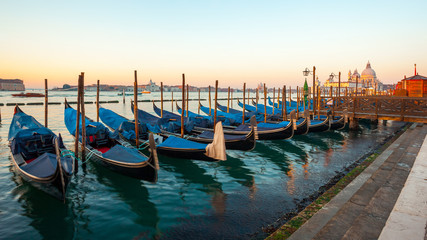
(234, 199)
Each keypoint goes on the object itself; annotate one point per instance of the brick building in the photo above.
(11, 85)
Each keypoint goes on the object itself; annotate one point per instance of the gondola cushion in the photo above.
(180, 143)
(43, 166)
(123, 154)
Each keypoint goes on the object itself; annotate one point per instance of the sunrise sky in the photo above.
(231, 41)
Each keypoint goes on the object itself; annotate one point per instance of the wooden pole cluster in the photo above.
(135, 108)
(183, 105)
(45, 103)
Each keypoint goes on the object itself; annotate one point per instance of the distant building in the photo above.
(11, 85)
(368, 80)
(152, 87)
(415, 86)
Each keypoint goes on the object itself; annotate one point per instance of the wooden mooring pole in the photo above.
(97, 101)
(172, 100)
(199, 103)
(188, 96)
(45, 103)
(243, 112)
(265, 103)
(284, 113)
(135, 108)
(161, 99)
(82, 103)
(183, 105)
(298, 102)
(77, 134)
(210, 106)
(216, 102)
(228, 100)
(124, 97)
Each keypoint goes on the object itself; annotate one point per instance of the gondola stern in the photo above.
(153, 151)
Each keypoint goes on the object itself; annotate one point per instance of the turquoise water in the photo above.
(234, 199)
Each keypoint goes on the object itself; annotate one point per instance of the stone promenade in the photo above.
(374, 205)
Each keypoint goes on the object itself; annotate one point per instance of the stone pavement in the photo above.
(361, 210)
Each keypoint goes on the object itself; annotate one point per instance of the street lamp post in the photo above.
(306, 72)
(331, 78)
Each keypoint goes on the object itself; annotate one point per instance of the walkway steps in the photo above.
(361, 210)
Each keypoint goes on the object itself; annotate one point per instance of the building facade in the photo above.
(12, 85)
(366, 81)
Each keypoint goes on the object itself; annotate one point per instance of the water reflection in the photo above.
(191, 172)
(47, 214)
(132, 192)
(268, 150)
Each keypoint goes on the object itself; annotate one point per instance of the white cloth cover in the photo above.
(216, 149)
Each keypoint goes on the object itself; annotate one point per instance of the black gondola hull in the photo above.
(246, 144)
(338, 124)
(320, 127)
(302, 128)
(145, 170)
(51, 185)
(195, 154)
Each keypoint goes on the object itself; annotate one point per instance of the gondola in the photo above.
(302, 123)
(36, 157)
(321, 125)
(337, 122)
(265, 131)
(110, 151)
(232, 142)
(171, 146)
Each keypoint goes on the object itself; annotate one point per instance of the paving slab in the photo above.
(408, 219)
(361, 210)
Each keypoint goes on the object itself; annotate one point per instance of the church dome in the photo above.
(369, 72)
(355, 74)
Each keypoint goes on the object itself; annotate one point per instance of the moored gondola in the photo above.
(232, 142)
(265, 131)
(37, 157)
(112, 152)
(170, 145)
